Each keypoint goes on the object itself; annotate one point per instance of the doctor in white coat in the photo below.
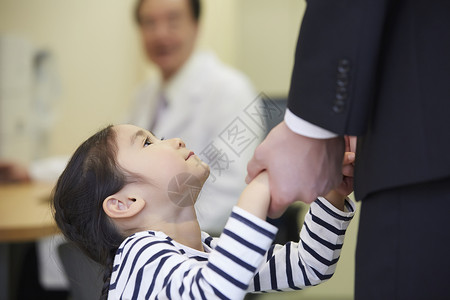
(198, 98)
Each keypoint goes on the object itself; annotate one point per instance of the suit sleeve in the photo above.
(335, 70)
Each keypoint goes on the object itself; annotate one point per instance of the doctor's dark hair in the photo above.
(91, 175)
(194, 5)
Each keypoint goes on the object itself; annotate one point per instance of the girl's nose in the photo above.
(179, 143)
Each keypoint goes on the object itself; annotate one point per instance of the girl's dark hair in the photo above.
(91, 175)
(194, 4)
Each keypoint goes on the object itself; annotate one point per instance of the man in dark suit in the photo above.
(379, 70)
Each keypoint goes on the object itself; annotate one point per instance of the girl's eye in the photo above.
(147, 142)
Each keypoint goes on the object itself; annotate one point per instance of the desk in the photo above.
(25, 215)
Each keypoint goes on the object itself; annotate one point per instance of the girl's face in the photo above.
(163, 164)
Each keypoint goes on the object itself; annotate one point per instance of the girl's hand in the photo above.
(256, 196)
(346, 186)
(337, 196)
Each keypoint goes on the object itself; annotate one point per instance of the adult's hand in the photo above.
(299, 167)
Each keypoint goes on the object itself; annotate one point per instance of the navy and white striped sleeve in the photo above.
(239, 252)
(313, 259)
(151, 267)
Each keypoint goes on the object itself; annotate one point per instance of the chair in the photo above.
(85, 275)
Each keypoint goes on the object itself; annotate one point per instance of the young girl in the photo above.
(127, 199)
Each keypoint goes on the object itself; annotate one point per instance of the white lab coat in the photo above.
(204, 99)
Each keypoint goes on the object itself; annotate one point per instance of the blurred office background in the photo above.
(85, 57)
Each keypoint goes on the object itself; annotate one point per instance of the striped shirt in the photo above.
(150, 265)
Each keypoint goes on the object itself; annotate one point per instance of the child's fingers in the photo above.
(349, 158)
(352, 142)
(348, 170)
(347, 143)
(347, 165)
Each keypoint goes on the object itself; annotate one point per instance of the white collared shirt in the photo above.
(305, 128)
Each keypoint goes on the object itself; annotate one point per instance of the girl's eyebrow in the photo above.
(139, 133)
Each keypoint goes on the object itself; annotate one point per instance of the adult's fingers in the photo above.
(276, 210)
(349, 158)
(254, 167)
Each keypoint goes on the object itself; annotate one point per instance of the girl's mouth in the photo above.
(190, 154)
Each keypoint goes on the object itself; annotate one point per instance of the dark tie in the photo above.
(160, 107)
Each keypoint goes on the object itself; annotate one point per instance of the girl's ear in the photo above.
(118, 206)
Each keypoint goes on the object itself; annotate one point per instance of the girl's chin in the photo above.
(204, 176)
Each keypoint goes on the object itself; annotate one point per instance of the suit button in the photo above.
(342, 82)
(341, 97)
(341, 93)
(339, 102)
(338, 108)
(341, 89)
(343, 66)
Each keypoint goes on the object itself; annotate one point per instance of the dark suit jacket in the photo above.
(380, 69)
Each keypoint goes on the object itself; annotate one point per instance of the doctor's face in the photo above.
(169, 31)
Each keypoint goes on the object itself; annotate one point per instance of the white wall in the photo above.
(256, 36)
(96, 50)
(267, 37)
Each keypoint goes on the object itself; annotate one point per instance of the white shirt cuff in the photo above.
(302, 127)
